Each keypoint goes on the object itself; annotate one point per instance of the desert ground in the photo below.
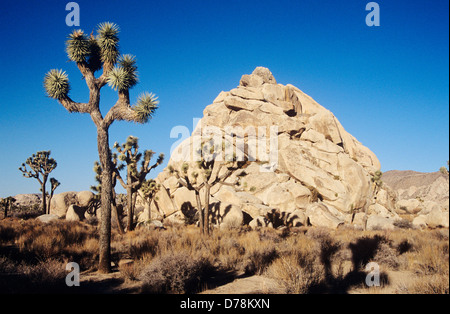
(177, 259)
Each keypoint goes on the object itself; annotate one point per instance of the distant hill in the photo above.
(432, 186)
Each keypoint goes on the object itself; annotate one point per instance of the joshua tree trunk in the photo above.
(130, 208)
(44, 197)
(105, 225)
(206, 216)
(114, 207)
(200, 210)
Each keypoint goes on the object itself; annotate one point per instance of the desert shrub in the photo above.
(318, 233)
(387, 255)
(7, 233)
(43, 277)
(7, 265)
(174, 273)
(432, 259)
(143, 246)
(298, 272)
(435, 284)
(403, 224)
(256, 262)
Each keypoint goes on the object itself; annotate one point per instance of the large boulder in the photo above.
(437, 218)
(84, 198)
(319, 215)
(60, 203)
(300, 160)
(75, 213)
(46, 218)
(375, 222)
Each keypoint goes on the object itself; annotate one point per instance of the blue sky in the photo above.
(387, 85)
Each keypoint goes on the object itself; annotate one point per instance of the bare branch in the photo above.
(73, 106)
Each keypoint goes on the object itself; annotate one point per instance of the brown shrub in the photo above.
(174, 273)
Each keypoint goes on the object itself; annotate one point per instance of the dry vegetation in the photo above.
(178, 260)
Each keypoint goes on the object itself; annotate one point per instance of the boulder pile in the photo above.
(301, 166)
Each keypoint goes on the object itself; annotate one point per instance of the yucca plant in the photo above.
(135, 178)
(7, 204)
(100, 52)
(148, 191)
(41, 165)
(206, 173)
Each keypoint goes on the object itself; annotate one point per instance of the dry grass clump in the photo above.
(299, 269)
(174, 273)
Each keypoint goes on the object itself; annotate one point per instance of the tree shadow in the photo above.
(190, 213)
(363, 251)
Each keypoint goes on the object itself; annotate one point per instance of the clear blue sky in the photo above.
(388, 85)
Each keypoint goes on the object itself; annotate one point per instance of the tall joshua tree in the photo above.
(40, 167)
(92, 54)
(129, 153)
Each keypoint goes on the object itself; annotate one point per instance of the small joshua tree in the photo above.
(129, 153)
(7, 204)
(376, 180)
(148, 191)
(40, 167)
(206, 174)
(92, 54)
(444, 170)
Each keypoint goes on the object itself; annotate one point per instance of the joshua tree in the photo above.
(444, 170)
(92, 54)
(148, 191)
(7, 204)
(128, 153)
(53, 185)
(207, 174)
(376, 180)
(40, 167)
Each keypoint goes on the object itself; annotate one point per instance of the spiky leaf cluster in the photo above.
(145, 107)
(376, 178)
(77, 46)
(56, 84)
(108, 41)
(150, 188)
(123, 76)
(54, 183)
(40, 163)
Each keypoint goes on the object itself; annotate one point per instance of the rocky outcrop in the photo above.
(298, 159)
(28, 200)
(61, 203)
